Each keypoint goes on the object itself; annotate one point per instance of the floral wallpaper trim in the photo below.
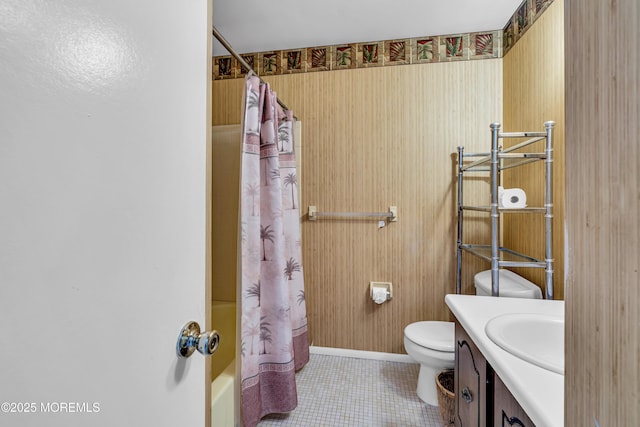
(416, 50)
(523, 18)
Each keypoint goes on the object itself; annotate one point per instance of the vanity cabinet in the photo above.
(470, 382)
(482, 399)
(507, 411)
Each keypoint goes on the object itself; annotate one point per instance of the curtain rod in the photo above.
(242, 62)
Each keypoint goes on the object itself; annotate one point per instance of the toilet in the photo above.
(431, 343)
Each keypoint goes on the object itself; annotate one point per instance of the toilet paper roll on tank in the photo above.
(512, 198)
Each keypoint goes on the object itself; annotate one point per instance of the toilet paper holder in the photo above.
(380, 291)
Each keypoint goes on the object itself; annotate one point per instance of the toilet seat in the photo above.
(434, 335)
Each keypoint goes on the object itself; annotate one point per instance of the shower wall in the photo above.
(225, 152)
(225, 182)
(226, 142)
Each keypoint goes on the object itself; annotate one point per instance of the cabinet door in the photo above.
(507, 412)
(470, 382)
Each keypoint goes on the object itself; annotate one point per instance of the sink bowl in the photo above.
(535, 338)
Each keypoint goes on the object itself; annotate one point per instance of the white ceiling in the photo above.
(263, 25)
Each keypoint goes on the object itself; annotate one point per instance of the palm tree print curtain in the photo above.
(274, 321)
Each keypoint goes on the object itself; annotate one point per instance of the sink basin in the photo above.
(535, 338)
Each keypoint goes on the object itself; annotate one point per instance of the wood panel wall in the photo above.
(373, 138)
(603, 291)
(533, 94)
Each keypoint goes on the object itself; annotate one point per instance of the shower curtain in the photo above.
(273, 325)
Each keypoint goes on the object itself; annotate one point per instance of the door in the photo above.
(104, 119)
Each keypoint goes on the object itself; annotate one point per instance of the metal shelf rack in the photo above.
(494, 163)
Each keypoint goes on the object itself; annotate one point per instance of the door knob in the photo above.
(191, 338)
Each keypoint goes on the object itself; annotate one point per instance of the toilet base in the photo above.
(426, 389)
(432, 360)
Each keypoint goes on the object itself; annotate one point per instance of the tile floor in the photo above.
(335, 391)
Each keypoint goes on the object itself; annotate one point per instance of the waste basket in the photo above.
(446, 397)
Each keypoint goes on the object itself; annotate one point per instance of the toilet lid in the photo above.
(438, 336)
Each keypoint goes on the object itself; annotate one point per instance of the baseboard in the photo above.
(361, 354)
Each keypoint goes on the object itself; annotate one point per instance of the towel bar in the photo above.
(392, 214)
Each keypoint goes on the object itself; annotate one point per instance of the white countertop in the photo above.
(540, 392)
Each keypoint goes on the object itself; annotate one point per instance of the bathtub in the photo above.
(223, 398)
(223, 366)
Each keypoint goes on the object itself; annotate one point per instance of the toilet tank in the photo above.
(511, 285)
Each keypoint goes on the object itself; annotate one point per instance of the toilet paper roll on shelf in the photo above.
(512, 198)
